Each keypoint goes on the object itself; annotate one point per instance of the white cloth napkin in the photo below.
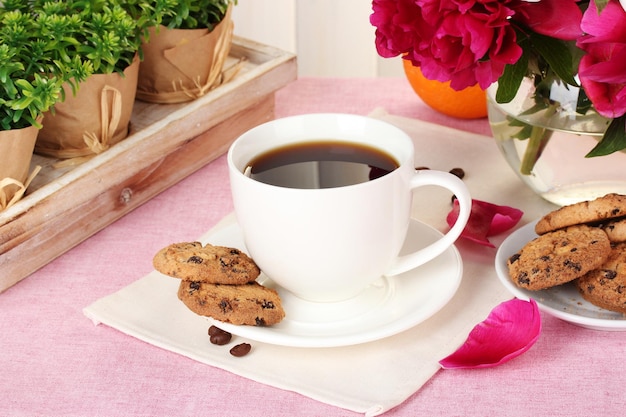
(372, 377)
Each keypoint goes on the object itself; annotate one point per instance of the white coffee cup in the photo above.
(329, 244)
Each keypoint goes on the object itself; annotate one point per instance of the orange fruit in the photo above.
(470, 103)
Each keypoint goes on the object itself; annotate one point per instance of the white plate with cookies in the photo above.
(562, 301)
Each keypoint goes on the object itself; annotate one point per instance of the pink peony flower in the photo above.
(469, 42)
(510, 330)
(466, 42)
(602, 69)
(486, 219)
(558, 19)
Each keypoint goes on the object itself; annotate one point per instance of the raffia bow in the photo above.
(109, 122)
(5, 183)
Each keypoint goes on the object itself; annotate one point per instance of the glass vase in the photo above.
(545, 140)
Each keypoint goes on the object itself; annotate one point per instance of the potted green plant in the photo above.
(185, 46)
(31, 78)
(98, 115)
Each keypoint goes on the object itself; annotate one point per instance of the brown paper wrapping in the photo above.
(183, 64)
(16, 151)
(93, 120)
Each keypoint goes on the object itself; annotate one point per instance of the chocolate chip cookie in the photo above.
(615, 230)
(247, 304)
(606, 286)
(192, 261)
(610, 206)
(558, 257)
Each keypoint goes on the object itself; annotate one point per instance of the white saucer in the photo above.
(387, 307)
(564, 301)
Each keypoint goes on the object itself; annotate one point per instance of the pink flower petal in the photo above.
(486, 219)
(608, 26)
(510, 330)
(556, 18)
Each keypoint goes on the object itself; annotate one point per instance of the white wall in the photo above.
(332, 38)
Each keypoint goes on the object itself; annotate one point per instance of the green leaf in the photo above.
(511, 79)
(557, 54)
(601, 4)
(614, 139)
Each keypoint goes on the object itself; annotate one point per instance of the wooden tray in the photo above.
(168, 142)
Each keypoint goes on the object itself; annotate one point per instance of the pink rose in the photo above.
(602, 69)
(465, 42)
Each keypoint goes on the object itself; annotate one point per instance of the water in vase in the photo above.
(555, 165)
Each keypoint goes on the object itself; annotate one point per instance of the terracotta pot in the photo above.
(183, 64)
(93, 120)
(16, 151)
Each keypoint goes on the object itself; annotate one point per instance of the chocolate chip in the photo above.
(241, 349)
(459, 172)
(573, 265)
(421, 168)
(514, 258)
(194, 286)
(194, 260)
(522, 278)
(218, 336)
(225, 306)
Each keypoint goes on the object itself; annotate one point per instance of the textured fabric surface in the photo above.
(54, 361)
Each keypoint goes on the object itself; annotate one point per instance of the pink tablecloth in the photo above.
(53, 361)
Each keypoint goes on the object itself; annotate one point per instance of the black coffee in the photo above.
(320, 164)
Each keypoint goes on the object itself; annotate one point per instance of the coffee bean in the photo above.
(459, 172)
(421, 168)
(220, 339)
(214, 330)
(241, 349)
(218, 336)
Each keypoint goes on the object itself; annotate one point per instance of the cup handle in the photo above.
(453, 183)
